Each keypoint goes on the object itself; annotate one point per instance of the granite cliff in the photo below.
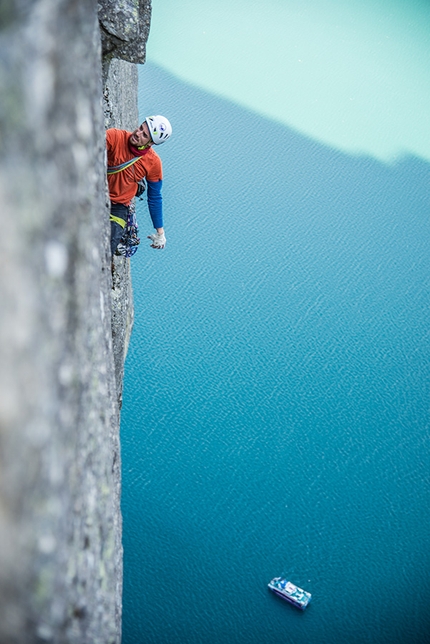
(67, 71)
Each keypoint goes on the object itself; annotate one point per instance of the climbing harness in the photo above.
(118, 220)
(129, 240)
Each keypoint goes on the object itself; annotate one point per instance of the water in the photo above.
(275, 415)
(352, 74)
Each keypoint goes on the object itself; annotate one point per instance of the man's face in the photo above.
(141, 136)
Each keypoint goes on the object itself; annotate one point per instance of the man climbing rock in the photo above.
(130, 159)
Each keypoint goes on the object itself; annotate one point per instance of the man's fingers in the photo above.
(158, 240)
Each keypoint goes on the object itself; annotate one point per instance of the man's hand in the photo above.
(158, 239)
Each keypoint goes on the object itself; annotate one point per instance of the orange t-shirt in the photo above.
(122, 185)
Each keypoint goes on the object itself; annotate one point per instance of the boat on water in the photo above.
(291, 593)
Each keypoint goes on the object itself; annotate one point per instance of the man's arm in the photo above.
(109, 139)
(155, 206)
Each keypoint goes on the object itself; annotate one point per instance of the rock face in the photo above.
(124, 26)
(60, 370)
(120, 110)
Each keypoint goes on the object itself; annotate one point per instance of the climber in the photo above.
(130, 159)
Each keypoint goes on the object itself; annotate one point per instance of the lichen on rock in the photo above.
(124, 26)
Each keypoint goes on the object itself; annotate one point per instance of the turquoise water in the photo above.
(352, 74)
(276, 401)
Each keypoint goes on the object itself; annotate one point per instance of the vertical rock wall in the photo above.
(60, 521)
(120, 110)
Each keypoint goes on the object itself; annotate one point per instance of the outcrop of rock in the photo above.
(124, 26)
(60, 520)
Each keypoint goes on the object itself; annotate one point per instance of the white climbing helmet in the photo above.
(159, 128)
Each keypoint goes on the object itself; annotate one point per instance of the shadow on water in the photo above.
(276, 398)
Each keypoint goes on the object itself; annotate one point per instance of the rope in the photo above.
(114, 169)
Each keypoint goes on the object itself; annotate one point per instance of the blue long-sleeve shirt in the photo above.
(155, 202)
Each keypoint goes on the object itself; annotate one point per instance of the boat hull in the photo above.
(290, 593)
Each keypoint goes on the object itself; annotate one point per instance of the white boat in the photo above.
(291, 593)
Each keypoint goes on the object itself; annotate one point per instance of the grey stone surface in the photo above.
(120, 110)
(124, 26)
(60, 520)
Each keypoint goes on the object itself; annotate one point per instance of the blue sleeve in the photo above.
(155, 202)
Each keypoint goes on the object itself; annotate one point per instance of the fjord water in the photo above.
(276, 399)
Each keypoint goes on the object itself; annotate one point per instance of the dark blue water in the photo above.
(276, 401)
